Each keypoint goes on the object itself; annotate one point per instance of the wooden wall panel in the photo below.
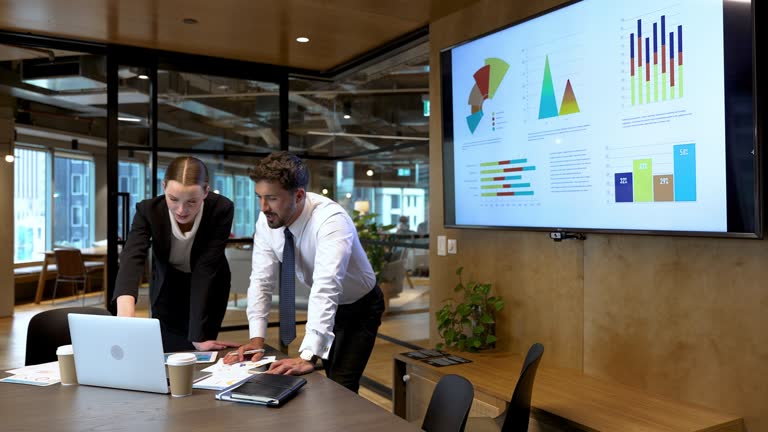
(540, 280)
(683, 318)
(678, 317)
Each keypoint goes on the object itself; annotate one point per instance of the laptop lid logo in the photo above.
(117, 352)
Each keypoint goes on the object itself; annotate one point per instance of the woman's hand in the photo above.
(241, 355)
(126, 306)
(213, 345)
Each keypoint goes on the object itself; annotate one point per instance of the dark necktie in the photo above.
(288, 292)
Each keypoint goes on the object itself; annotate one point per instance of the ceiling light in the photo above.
(189, 21)
(325, 191)
(369, 173)
(302, 39)
(144, 77)
(347, 116)
(9, 156)
(349, 195)
(129, 119)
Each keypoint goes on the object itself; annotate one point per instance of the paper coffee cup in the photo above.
(67, 365)
(181, 367)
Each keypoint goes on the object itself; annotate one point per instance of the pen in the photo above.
(253, 351)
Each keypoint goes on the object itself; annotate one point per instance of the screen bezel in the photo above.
(449, 197)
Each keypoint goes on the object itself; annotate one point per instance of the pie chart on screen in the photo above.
(487, 81)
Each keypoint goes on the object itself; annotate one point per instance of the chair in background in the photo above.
(240, 266)
(49, 330)
(518, 413)
(70, 268)
(449, 406)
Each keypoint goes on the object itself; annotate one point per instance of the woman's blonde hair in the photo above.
(188, 171)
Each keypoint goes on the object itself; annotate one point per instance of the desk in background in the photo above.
(321, 405)
(97, 254)
(566, 396)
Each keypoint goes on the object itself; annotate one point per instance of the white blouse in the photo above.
(181, 243)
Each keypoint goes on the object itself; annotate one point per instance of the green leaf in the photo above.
(490, 339)
(476, 299)
(439, 346)
(499, 306)
(486, 319)
(459, 270)
(478, 330)
(477, 343)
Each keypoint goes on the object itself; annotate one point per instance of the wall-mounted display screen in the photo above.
(606, 115)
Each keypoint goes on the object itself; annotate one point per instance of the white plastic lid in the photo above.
(64, 350)
(181, 359)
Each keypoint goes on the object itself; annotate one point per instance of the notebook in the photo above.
(264, 389)
(118, 352)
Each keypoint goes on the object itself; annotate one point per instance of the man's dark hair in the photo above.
(281, 167)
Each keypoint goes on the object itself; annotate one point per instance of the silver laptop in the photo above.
(118, 352)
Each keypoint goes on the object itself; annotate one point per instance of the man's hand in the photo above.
(240, 354)
(213, 345)
(291, 366)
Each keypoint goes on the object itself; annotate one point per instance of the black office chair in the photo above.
(518, 412)
(49, 330)
(449, 406)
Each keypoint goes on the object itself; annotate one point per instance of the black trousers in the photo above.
(172, 310)
(355, 328)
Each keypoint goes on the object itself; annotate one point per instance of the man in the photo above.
(345, 304)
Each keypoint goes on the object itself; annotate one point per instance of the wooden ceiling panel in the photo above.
(254, 30)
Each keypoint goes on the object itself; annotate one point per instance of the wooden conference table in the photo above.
(96, 254)
(321, 405)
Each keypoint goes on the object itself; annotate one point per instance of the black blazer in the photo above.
(210, 281)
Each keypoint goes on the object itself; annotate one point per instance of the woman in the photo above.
(187, 228)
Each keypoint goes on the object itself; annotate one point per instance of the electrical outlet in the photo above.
(451, 246)
(441, 245)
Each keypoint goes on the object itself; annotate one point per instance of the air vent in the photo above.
(65, 73)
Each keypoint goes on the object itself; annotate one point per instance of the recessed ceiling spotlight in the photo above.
(347, 116)
(325, 191)
(144, 77)
(302, 39)
(189, 21)
(369, 173)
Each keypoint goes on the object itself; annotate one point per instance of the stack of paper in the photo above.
(43, 374)
(224, 375)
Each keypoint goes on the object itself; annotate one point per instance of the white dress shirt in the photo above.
(329, 259)
(181, 243)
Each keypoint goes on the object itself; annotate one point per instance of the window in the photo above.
(30, 204)
(76, 217)
(246, 205)
(77, 184)
(73, 195)
(131, 175)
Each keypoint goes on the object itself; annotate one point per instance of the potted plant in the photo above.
(470, 324)
(369, 231)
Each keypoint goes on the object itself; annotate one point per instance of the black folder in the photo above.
(263, 389)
